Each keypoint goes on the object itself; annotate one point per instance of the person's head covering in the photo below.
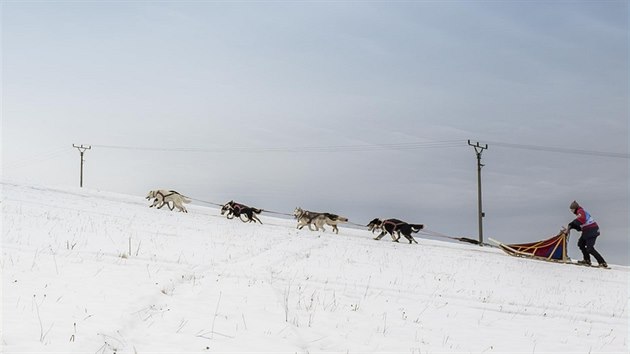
(574, 206)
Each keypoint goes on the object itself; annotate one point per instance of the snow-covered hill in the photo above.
(93, 272)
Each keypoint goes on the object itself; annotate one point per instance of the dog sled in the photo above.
(553, 249)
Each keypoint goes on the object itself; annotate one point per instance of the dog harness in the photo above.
(167, 195)
(389, 221)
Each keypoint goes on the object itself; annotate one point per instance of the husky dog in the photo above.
(239, 210)
(305, 218)
(163, 197)
(394, 225)
(318, 220)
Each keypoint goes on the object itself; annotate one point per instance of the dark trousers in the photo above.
(587, 246)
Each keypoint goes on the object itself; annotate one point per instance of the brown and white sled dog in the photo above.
(391, 226)
(305, 217)
(163, 197)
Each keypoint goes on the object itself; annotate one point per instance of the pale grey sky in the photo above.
(246, 86)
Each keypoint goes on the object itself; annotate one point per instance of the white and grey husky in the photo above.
(163, 197)
(305, 217)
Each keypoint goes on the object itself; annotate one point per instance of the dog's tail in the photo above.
(257, 211)
(416, 227)
(185, 200)
(336, 217)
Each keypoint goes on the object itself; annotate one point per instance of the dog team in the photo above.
(394, 227)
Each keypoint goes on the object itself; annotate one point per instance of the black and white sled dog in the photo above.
(305, 217)
(391, 226)
(163, 197)
(238, 210)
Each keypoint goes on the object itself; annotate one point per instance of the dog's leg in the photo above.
(302, 223)
(179, 203)
(252, 217)
(158, 202)
(319, 224)
(383, 233)
(335, 229)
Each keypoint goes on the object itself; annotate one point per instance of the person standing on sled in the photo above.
(590, 230)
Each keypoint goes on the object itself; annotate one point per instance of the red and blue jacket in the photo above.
(583, 221)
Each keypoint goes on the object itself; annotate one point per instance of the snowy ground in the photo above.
(93, 272)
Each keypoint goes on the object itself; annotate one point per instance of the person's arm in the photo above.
(575, 224)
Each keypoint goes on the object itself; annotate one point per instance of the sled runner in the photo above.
(588, 265)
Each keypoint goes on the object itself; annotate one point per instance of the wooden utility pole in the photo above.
(478, 150)
(82, 150)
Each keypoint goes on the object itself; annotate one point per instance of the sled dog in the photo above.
(163, 197)
(391, 226)
(238, 210)
(305, 217)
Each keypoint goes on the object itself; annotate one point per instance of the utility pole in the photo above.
(82, 150)
(478, 150)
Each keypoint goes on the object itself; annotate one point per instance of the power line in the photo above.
(27, 162)
(562, 150)
(296, 149)
(366, 147)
